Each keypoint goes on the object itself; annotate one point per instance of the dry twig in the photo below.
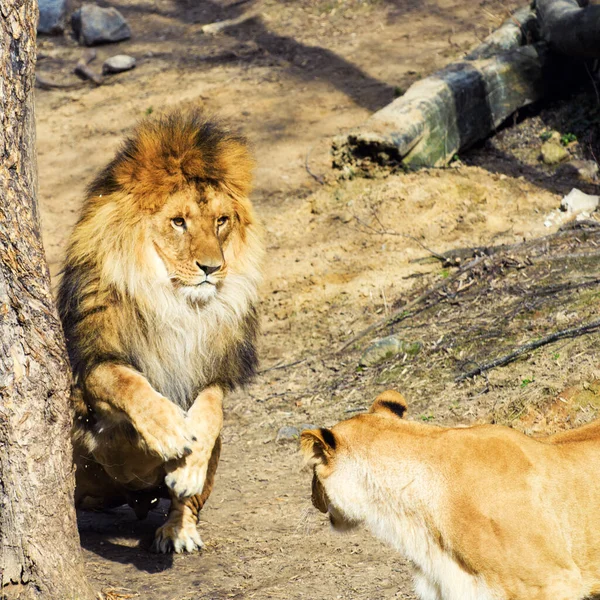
(504, 360)
(42, 82)
(83, 70)
(400, 314)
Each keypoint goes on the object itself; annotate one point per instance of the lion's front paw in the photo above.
(186, 476)
(177, 537)
(165, 431)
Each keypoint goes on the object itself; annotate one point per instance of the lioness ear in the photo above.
(390, 402)
(318, 445)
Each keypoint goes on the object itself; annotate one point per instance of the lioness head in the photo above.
(340, 486)
(172, 211)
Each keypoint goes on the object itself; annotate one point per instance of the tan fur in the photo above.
(158, 304)
(483, 512)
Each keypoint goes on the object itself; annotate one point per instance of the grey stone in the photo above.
(583, 169)
(95, 25)
(553, 153)
(386, 348)
(52, 16)
(118, 64)
(305, 426)
(576, 202)
(287, 434)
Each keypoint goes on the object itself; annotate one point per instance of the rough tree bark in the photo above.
(40, 556)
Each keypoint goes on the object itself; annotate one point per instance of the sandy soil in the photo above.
(340, 256)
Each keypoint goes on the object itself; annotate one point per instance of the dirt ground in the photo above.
(341, 256)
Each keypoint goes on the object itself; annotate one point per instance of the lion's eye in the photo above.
(222, 221)
(178, 222)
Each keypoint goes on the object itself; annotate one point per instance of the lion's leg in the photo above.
(186, 477)
(94, 488)
(180, 533)
(118, 392)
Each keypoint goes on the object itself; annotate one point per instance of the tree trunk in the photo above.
(569, 29)
(40, 557)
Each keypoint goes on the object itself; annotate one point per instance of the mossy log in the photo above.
(520, 29)
(448, 111)
(570, 29)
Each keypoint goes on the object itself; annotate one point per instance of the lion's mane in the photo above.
(112, 307)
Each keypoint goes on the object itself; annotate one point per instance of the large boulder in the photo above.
(95, 25)
(52, 16)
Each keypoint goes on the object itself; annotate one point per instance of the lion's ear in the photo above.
(318, 445)
(390, 402)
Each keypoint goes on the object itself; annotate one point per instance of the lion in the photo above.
(158, 300)
(481, 512)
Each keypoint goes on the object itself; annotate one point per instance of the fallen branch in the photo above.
(218, 26)
(400, 314)
(483, 253)
(318, 178)
(283, 366)
(504, 360)
(42, 82)
(83, 70)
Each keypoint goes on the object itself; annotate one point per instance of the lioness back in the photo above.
(483, 513)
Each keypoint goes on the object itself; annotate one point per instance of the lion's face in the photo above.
(192, 234)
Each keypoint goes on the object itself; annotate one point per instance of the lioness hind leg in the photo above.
(180, 532)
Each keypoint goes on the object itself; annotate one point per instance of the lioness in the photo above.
(482, 512)
(158, 304)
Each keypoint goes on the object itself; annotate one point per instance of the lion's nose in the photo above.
(208, 269)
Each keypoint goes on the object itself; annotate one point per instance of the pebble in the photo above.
(118, 64)
(52, 16)
(553, 153)
(344, 216)
(95, 25)
(386, 348)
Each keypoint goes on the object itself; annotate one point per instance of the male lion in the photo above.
(483, 512)
(158, 303)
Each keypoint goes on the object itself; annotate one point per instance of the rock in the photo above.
(95, 25)
(307, 426)
(52, 16)
(576, 202)
(289, 434)
(556, 218)
(553, 153)
(344, 216)
(584, 169)
(118, 64)
(386, 348)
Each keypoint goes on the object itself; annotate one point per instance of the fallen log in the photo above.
(519, 29)
(570, 29)
(450, 110)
